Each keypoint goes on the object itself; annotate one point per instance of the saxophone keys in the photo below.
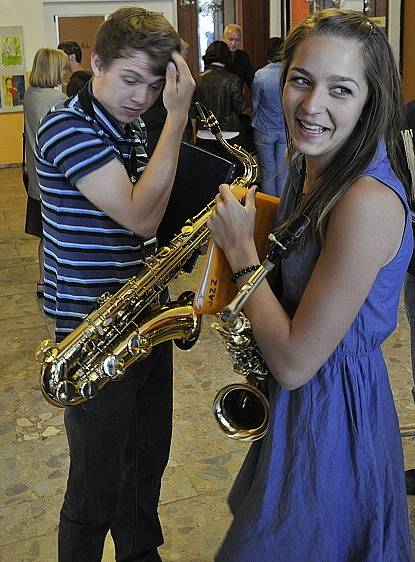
(163, 252)
(138, 345)
(65, 392)
(103, 298)
(113, 366)
(47, 351)
(89, 390)
(187, 229)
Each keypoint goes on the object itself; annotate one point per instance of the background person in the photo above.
(47, 73)
(240, 65)
(327, 481)
(102, 203)
(79, 76)
(220, 91)
(268, 121)
(239, 62)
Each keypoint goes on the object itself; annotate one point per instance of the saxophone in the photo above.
(129, 323)
(242, 409)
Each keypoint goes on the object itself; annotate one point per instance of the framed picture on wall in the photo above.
(12, 69)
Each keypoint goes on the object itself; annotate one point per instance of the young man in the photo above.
(240, 63)
(97, 216)
(79, 76)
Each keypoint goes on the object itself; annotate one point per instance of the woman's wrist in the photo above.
(249, 270)
(241, 258)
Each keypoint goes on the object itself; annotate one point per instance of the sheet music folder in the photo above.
(199, 174)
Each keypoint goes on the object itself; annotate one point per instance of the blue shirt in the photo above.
(267, 113)
(86, 252)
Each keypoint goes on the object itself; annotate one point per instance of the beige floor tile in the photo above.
(16, 523)
(38, 549)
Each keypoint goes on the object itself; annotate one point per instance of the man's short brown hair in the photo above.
(132, 29)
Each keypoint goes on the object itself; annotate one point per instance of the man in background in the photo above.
(79, 76)
(240, 63)
(241, 66)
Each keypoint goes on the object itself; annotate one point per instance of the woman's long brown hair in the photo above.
(381, 118)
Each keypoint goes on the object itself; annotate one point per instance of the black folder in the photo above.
(198, 176)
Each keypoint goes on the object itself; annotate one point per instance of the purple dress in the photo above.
(326, 484)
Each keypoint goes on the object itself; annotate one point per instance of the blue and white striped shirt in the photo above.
(86, 252)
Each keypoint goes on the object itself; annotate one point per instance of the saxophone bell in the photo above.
(242, 412)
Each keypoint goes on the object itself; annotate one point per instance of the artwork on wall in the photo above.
(12, 76)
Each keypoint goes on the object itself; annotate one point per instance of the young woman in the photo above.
(47, 73)
(326, 484)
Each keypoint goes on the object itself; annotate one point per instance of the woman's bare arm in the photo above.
(364, 233)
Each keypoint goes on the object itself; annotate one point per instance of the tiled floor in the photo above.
(33, 449)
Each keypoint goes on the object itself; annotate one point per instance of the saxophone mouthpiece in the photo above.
(208, 119)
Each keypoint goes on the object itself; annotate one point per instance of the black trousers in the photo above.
(119, 445)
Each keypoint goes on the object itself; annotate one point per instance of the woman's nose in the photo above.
(314, 101)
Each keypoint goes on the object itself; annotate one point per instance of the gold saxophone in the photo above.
(242, 409)
(129, 323)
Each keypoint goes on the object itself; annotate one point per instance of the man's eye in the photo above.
(129, 81)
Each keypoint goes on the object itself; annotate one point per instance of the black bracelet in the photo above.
(243, 271)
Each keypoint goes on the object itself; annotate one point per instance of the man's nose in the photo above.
(141, 94)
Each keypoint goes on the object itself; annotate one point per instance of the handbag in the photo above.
(25, 175)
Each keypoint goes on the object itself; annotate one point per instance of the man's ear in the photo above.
(97, 65)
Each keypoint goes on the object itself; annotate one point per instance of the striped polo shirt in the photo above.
(86, 252)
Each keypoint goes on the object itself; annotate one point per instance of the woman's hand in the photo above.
(232, 226)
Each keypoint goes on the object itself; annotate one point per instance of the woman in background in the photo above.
(47, 73)
(326, 484)
(268, 121)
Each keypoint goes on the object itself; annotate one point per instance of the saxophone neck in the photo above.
(208, 119)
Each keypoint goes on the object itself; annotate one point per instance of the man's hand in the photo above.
(179, 88)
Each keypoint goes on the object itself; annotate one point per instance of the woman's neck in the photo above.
(313, 170)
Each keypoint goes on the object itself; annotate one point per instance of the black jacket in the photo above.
(241, 66)
(410, 114)
(221, 92)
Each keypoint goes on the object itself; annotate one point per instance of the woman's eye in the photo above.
(129, 81)
(299, 81)
(341, 91)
